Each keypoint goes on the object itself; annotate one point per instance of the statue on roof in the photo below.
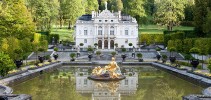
(106, 5)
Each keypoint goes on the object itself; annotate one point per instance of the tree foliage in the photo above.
(200, 13)
(169, 12)
(92, 5)
(6, 64)
(15, 20)
(136, 8)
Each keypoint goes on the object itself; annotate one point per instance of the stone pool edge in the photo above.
(184, 74)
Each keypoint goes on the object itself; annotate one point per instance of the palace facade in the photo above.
(107, 29)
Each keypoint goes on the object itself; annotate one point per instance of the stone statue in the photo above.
(106, 5)
(112, 70)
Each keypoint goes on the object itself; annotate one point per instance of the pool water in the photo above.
(141, 83)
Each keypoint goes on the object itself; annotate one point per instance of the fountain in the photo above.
(111, 72)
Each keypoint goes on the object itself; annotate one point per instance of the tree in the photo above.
(26, 45)
(136, 8)
(187, 45)
(200, 13)
(206, 25)
(92, 5)
(44, 12)
(15, 20)
(6, 64)
(44, 45)
(119, 5)
(169, 12)
(14, 44)
(72, 10)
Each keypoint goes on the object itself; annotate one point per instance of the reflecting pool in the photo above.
(141, 83)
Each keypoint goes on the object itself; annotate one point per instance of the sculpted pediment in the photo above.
(106, 14)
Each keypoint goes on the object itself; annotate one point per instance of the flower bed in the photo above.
(31, 67)
(200, 73)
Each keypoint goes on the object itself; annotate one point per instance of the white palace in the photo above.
(106, 29)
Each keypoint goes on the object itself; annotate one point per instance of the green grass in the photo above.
(64, 33)
(67, 34)
(156, 29)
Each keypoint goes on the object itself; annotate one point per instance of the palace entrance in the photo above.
(106, 44)
(100, 44)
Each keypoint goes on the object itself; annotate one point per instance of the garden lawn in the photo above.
(64, 33)
(156, 29)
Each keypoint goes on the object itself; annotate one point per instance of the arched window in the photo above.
(100, 30)
(112, 30)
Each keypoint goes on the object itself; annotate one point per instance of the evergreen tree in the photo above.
(200, 12)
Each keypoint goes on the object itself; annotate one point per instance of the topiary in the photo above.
(113, 53)
(98, 52)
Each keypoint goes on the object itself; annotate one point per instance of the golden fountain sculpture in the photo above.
(110, 72)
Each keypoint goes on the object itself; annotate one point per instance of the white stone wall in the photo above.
(106, 20)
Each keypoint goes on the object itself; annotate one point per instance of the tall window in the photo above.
(85, 32)
(112, 30)
(85, 81)
(126, 32)
(85, 40)
(100, 30)
(126, 82)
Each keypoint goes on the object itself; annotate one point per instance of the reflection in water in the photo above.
(112, 87)
(141, 83)
(106, 90)
(161, 88)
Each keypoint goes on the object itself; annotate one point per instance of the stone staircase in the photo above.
(178, 56)
(34, 56)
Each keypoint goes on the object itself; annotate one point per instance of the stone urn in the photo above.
(172, 59)
(41, 59)
(158, 57)
(90, 57)
(123, 57)
(55, 56)
(18, 63)
(195, 63)
(72, 59)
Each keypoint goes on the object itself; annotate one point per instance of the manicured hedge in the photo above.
(203, 44)
(151, 38)
(56, 38)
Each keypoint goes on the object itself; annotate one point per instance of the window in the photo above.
(106, 20)
(126, 82)
(100, 31)
(85, 81)
(112, 20)
(112, 30)
(85, 32)
(126, 32)
(85, 40)
(100, 20)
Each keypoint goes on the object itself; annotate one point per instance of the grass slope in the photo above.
(64, 33)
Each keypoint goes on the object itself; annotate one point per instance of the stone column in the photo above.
(103, 43)
(109, 37)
